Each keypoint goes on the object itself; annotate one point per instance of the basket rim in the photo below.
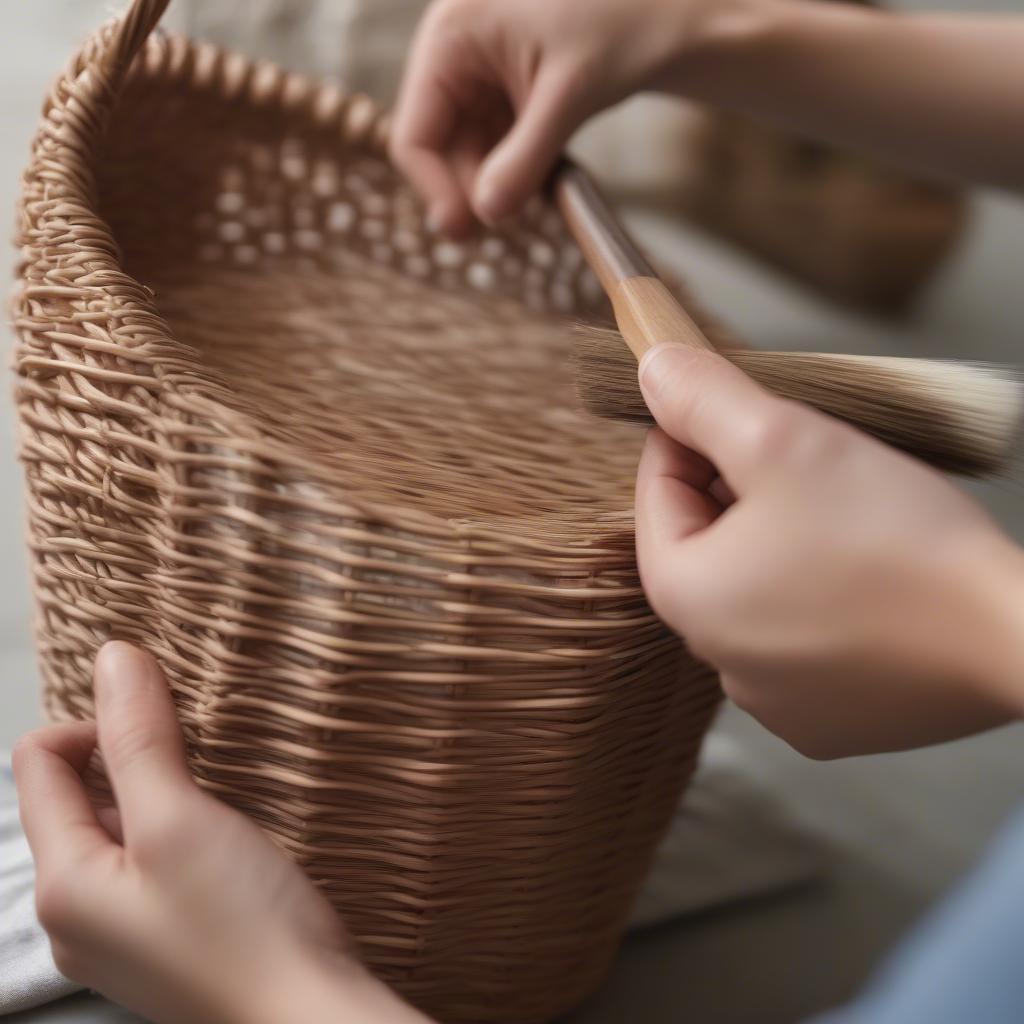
(74, 118)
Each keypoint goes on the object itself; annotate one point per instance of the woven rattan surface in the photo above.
(330, 470)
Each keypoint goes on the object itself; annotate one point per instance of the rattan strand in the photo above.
(329, 470)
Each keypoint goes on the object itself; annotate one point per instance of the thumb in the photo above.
(519, 165)
(139, 735)
(706, 403)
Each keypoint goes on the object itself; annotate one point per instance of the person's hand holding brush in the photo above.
(493, 90)
(852, 599)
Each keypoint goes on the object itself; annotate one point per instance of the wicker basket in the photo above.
(329, 470)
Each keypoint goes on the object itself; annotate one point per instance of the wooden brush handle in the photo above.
(645, 310)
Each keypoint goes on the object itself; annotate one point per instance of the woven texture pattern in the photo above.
(329, 470)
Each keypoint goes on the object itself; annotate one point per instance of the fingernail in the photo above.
(434, 219)
(487, 204)
(119, 668)
(657, 362)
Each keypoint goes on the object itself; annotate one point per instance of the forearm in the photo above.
(938, 92)
(345, 994)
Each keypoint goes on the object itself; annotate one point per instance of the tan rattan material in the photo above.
(330, 471)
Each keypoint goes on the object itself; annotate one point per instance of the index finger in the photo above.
(425, 120)
(56, 812)
(671, 506)
(672, 501)
(706, 403)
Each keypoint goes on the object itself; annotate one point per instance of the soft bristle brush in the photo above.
(960, 417)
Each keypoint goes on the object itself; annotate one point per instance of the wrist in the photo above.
(737, 53)
(718, 42)
(341, 989)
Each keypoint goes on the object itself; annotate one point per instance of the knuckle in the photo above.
(681, 396)
(800, 437)
(24, 750)
(56, 900)
(129, 743)
(156, 841)
(775, 433)
(398, 150)
(663, 595)
(703, 647)
(446, 15)
(575, 76)
(736, 691)
(831, 443)
(69, 960)
(161, 837)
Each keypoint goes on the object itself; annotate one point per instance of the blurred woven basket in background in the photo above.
(329, 471)
(858, 231)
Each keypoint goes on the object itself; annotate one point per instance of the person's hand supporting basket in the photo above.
(169, 902)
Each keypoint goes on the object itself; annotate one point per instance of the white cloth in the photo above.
(728, 841)
(28, 976)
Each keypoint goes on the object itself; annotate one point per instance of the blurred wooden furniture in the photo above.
(855, 229)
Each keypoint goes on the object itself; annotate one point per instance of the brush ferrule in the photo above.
(609, 250)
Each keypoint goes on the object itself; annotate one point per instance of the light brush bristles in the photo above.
(960, 417)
